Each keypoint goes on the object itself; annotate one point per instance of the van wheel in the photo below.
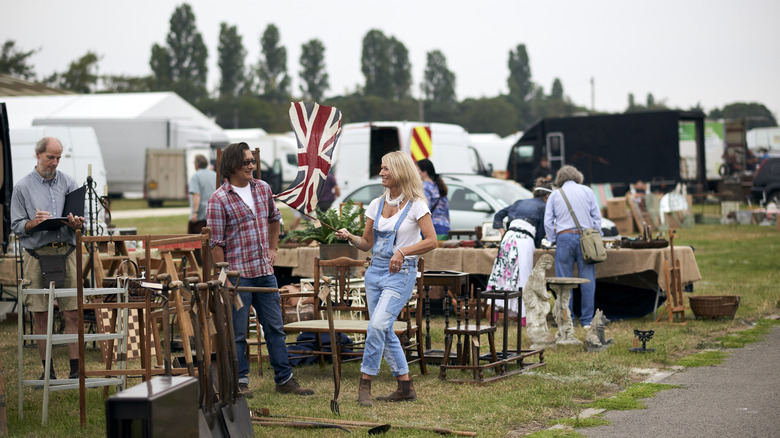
(155, 203)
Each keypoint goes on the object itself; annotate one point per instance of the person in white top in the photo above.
(394, 222)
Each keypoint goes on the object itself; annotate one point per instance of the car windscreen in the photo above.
(505, 192)
(366, 194)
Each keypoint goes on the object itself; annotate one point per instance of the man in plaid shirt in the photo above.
(244, 224)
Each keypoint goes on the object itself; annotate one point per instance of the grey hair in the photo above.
(40, 147)
(568, 173)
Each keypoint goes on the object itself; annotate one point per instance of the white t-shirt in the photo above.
(409, 231)
(246, 195)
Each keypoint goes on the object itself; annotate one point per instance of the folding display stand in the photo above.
(56, 339)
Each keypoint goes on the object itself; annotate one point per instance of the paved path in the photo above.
(739, 398)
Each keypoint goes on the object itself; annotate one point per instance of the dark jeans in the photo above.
(269, 313)
(568, 253)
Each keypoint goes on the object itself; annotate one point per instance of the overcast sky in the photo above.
(684, 52)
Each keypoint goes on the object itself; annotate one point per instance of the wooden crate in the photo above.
(624, 225)
(616, 208)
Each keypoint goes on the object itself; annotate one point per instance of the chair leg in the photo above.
(494, 354)
(421, 352)
(445, 360)
(475, 358)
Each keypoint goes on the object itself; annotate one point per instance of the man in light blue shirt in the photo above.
(202, 185)
(562, 230)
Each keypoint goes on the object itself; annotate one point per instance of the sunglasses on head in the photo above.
(251, 162)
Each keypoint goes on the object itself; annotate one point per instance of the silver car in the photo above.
(474, 199)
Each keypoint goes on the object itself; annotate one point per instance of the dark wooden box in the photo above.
(161, 407)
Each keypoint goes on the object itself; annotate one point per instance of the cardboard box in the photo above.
(624, 225)
(617, 208)
(8, 271)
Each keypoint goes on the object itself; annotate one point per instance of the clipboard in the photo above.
(74, 203)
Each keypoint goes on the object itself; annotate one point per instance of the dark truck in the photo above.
(616, 148)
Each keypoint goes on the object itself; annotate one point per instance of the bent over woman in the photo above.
(524, 232)
(394, 222)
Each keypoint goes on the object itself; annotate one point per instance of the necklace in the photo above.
(393, 202)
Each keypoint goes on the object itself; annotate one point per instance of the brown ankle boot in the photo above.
(404, 392)
(364, 393)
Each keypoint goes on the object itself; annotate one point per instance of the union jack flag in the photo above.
(317, 129)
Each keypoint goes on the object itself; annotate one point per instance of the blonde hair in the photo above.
(403, 169)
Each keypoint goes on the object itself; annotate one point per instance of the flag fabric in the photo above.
(317, 129)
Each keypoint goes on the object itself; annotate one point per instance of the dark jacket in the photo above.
(530, 210)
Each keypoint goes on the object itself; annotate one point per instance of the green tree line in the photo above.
(258, 95)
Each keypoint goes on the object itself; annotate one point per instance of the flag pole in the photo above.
(310, 217)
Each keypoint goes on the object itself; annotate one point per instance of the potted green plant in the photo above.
(352, 217)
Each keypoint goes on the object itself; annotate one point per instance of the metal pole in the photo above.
(90, 183)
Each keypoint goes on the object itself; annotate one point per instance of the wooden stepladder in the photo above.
(675, 306)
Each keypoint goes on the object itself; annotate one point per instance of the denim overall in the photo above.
(386, 294)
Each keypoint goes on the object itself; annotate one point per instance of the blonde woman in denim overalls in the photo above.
(394, 222)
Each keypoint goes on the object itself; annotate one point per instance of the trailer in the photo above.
(618, 149)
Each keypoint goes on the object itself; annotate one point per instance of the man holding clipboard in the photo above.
(49, 242)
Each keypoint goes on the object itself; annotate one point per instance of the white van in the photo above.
(362, 145)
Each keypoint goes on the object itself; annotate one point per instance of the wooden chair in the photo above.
(332, 297)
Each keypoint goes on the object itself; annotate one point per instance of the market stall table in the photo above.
(628, 283)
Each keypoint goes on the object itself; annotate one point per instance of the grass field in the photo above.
(739, 260)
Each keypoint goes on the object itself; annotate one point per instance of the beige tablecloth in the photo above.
(619, 263)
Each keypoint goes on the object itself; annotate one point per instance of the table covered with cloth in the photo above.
(627, 282)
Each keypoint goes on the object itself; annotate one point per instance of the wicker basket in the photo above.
(713, 306)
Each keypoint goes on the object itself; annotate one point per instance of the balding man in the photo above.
(37, 197)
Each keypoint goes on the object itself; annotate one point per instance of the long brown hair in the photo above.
(426, 166)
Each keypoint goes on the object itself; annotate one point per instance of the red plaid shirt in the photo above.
(243, 236)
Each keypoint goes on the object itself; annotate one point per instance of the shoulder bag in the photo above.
(593, 250)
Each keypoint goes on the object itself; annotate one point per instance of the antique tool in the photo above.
(237, 409)
(644, 336)
(203, 426)
(324, 294)
(213, 416)
(234, 425)
(264, 412)
(301, 424)
(165, 279)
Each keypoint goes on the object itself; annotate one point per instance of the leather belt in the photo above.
(57, 244)
(569, 231)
